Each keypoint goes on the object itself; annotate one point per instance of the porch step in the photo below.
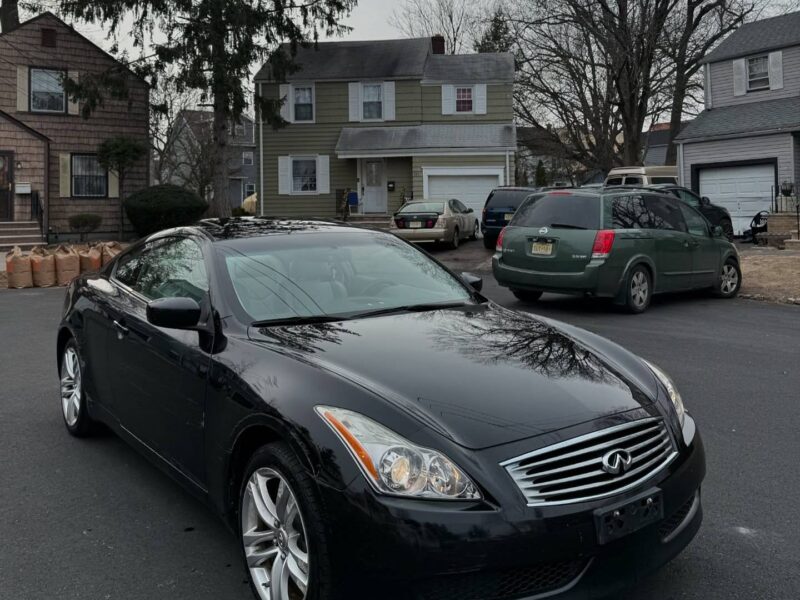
(4, 225)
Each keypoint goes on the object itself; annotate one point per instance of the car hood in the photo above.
(481, 376)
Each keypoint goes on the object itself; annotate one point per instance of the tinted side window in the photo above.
(666, 213)
(173, 269)
(453, 204)
(630, 212)
(694, 220)
(461, 206)
(614, 181)
(633, 180)
(129, 267)
(688, 197)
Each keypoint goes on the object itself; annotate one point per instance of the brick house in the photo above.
(48, 162)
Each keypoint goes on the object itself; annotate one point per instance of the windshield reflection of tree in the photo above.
(173, 269)
(235, 228)
(498, 335)
(307, 339)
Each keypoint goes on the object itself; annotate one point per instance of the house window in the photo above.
(758, 73)
(249, 189)
(238, 130)
(304, 175)
(372, 101)
(247, 158)
(47, 91)
(89, 179)
(303, 103)
(464, 100)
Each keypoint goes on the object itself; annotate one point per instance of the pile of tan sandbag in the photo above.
(42, 267)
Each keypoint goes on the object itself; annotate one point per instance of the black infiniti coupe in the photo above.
(370, 426)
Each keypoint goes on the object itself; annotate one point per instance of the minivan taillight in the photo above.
(603, 242)
(499, 246)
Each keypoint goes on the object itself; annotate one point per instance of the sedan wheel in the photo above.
(274, 538)
(639, 290)
(73, 401)
(456, 239)
(730, 280)
(475, 230)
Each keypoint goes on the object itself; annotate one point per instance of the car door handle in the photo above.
(121, 328)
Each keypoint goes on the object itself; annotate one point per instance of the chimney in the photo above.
(437, 43)
(9, 15)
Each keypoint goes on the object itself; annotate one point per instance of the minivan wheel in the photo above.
(727, 229)
(456, 239)
(527, 295)
(282, 530)
(639, 290)
(489, 242)
(73, 397)
(730, 280)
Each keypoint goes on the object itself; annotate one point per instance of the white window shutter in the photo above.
(355, 100)
(284, 175)
(64, 175)
(388, 101)
(286, 108)
(479, 101)
(707, 85)
(448, 99)
(22, 89)
(73, 108)
(776, 70)
(113, 184)
(739, 77)
(323, 175)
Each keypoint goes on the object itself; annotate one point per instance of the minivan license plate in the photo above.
(415, 224)
(542, 248)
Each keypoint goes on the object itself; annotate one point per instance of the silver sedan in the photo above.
(446, 221)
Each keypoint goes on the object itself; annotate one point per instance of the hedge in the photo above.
(163, 207)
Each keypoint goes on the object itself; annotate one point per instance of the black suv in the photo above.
(500, 206)
(716, 215)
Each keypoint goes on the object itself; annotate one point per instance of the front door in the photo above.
(6, 186)
(375, 197)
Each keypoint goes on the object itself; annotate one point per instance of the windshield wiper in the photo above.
(409, 308)
(298, 320)
(566, 226)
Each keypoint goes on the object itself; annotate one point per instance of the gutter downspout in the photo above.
(45, 208)
(508, 166)
(260, 154)
(680, 165)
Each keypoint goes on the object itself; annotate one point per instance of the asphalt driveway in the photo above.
(93, 520)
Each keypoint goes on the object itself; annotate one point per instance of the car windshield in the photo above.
(302, 276)
(559, 210)
(507, 198)
(427, 207)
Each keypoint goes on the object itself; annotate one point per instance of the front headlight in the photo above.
(671, 388)
(392, 464)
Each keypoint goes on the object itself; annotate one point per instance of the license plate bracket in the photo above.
(542, 246)
(624, 518)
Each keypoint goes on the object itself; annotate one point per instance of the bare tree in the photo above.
(456, 20)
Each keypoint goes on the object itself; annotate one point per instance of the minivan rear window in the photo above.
(507, 198)
(560, 210)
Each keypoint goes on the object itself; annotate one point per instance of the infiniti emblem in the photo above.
(544, 230)
(617, 461)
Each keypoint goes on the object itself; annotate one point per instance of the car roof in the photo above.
(253, 227)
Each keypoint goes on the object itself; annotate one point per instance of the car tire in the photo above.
(74, 408)
(456, 239)
(727, 229)
(475, 231)
(527, 295)
(298, 529)
(638, 289)
(729, 281)
(489, 243)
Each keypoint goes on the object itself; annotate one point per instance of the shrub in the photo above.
(84, 224)
(238, 211)
(162, 207)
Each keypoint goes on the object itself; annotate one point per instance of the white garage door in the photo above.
(744, 191)
(472, 190)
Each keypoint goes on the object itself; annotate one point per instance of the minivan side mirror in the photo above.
(717, 232)
(174, 313)
(475, 282)
(705, 201)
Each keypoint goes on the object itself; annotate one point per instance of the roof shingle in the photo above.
(755, 117)
(485, 67)
(426, 138)
(759, 36)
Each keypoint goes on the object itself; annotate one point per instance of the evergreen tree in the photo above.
(541, 174)
(497, 36)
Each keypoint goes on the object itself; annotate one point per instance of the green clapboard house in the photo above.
(391, 120)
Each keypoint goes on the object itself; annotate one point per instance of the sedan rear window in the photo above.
(560, 210)
(507, 198)
(427, 207)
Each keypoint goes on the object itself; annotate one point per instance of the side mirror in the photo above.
(475, 282)
(704, 201)
(174, 313)
(717, 232)
(469, 210)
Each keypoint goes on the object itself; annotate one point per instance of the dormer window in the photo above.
(758, 73)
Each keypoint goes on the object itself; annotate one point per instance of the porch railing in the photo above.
(37, 211)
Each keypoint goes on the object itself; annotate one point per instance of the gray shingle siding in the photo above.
(759, 36)
(722, 82)
(772, 115)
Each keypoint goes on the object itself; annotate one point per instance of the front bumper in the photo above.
(436, 234)
(442, 551)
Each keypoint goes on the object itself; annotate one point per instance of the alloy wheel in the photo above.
(274, 538)
(71, 386)
(729, 279)
(640, 289)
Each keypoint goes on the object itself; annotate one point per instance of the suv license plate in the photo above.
(545, 248)
(415, 224)
(508, 216)
(614, 522)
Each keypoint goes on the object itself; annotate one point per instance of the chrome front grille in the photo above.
(574, 471)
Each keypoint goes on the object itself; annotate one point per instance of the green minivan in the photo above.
(626, 245)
